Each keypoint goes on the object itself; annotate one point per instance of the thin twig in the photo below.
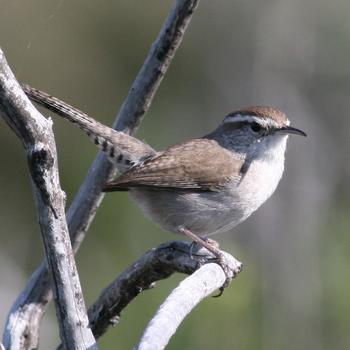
(32, 302)
(35, 133)
(182, 301)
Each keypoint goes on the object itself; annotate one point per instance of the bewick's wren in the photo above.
(201, 186)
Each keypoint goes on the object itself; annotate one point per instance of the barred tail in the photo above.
(121, 149)
(61, 108)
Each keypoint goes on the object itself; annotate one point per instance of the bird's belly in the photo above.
(203, 213)
(206, 213)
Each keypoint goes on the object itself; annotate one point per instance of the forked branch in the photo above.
(22, 327)
(155, 265)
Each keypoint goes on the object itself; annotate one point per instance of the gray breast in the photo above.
(203, 213)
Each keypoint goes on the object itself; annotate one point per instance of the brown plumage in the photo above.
(211, 169)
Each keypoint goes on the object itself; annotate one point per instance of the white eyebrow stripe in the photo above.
(265, 122)
(242, 118)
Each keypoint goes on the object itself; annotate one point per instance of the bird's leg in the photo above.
(211, 245)
(230, 270)
(205, 239)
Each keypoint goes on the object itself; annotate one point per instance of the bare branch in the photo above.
(32, 302)
(182, 301)
(35, 132)
(156, 264)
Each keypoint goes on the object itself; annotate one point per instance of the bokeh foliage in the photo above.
(294, 55)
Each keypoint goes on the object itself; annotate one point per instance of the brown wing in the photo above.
(197, 164)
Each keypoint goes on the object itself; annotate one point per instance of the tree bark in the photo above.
(23, 322)
(36, 135)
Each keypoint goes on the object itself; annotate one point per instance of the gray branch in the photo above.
(182, 301)
(157, 264)
(22, 327)
(36, 135)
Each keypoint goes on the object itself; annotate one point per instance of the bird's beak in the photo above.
(290, 130)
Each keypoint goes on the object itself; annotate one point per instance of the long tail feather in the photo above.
(121, 149)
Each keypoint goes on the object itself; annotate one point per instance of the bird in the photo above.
(199, 187)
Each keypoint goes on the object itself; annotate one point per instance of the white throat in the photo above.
(271, 148)
(264, 173)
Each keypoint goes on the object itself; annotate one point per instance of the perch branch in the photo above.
(32, 302)
(36, 135)
(157, 264)
(154, 265)
(182, 301)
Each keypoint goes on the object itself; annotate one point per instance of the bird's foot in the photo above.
(200, 244)
(230, 265)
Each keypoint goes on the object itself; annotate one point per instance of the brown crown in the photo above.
(263, 112)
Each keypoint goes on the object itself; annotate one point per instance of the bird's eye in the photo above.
(255, 127)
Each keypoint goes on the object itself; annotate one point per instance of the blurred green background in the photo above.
(291, 54)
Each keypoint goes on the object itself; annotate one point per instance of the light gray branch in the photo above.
(36, 135)
(181, 302)
(31, 304)
(156, 264)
